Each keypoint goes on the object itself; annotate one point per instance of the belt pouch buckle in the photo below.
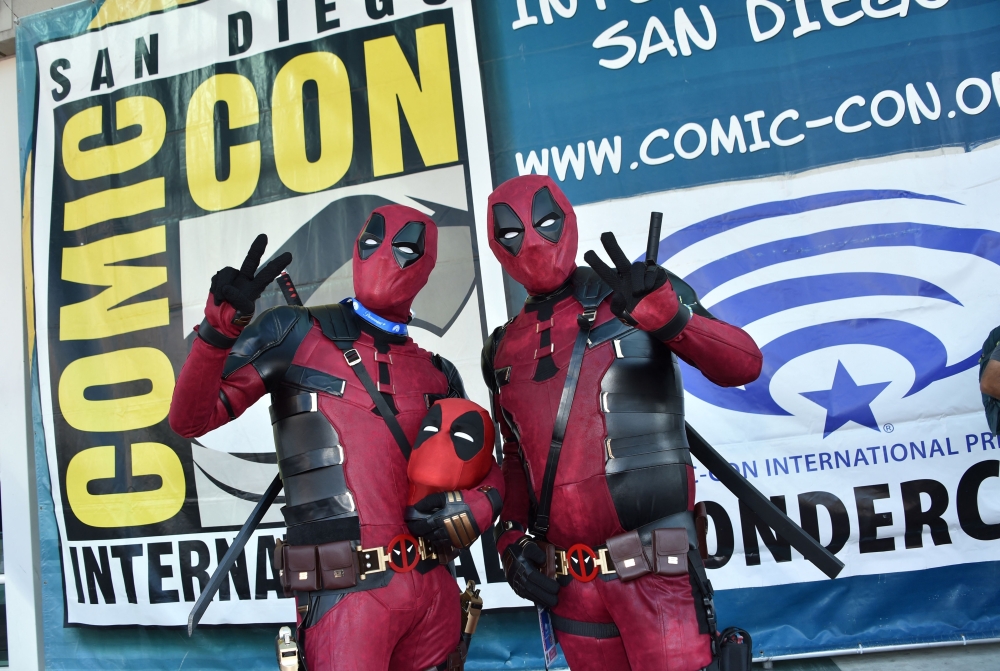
(670, 548)
(338, 565)
(626, 552)
(300, 568)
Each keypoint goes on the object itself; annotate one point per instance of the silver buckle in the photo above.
(352, 357)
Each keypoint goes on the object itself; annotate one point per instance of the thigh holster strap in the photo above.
(586, 629)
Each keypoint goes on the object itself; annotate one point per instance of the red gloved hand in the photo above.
(643, 296)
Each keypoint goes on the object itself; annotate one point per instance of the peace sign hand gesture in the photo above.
(241, 288)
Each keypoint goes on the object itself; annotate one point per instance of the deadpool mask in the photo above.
(393, 257)
(532, 232)
(453, 450)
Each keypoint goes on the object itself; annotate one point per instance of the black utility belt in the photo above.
(344, 564)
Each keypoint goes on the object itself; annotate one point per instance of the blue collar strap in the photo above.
(395, 328)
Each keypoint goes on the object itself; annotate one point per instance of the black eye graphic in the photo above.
(546, 215)
(372, 235)
(507, 228)
(429, 427)
(408, 244)
(467, 434)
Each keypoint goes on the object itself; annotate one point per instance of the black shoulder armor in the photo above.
(489, 354)
(456, 388)
(588, 287)
(338, 322)
(269, 343)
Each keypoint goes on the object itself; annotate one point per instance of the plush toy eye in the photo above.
(463, 436)
(431, 425)
(431, 429)
(467, 432)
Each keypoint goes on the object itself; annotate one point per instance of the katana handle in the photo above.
(766, 511)
(227, 561)
(653, 242)
(288, 289)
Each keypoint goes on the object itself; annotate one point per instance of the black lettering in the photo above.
(102, 71)
(916, 518)
(98, 576)
(434, 2)
(466, 567)
(378, 8)
(238, 572)
(491, 558)
(282, 20)
(157, 572)
(240, 22)
(869, 521)
(124, 555)
(76, 575)
(725, 541)
(55, 71)
(967, 501)
(840, 521)
(323, 7)
(148, 54)
(780, 549)
(265, 559)
(186, 550)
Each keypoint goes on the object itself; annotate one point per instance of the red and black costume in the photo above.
(624, 463)
(344, 472)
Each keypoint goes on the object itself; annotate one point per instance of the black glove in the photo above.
(444, 520)
(521, 561)
(241, 288)
(631, 282)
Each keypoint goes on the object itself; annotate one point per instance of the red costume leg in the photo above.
(657, 620)
(437, 619)
(358, 634)
(582, 601)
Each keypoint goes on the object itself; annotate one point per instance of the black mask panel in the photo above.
(371, 237)
(546, 215)
(507, 228)
(408, 245)
(467, 433)
(429, 427)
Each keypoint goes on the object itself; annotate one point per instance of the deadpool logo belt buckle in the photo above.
(404, 553)
(581, 562)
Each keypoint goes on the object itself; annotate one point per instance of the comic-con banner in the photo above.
(163, 146)
(828, 176)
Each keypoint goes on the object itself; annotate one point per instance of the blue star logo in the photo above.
(847, 401)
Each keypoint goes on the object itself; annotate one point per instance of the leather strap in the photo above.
(354, 361)
(208, 333)
(673, 328)
(310, 461)
(335, 505)
(540, 527)
(587, 629)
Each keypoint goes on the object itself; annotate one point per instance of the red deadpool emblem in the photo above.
(403, 555)
(581, 562)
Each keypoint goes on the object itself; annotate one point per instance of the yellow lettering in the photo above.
(427, 105)
(91, 264)
(336, 125)
(126, 201)
(244, 160)
(116, 158)
(127, 509)
(117, 414)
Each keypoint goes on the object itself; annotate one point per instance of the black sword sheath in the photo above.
(222, 571)
(768, 513)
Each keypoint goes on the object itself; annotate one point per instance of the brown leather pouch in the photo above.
(279, 565)
(338, 564)
(670, 548)
(550, 558)
(626, 552)
(300, 568)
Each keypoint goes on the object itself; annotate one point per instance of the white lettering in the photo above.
(533, 164)
(842, 110)
(647, 48)
(608, 39)
(779, 19)
(679, 140)
(730, 140)
(917, 105)
(896, 117)
(658, 134)
(568, 158)
(685, 29)
(758, 142)
(776, 126)
(599, 154)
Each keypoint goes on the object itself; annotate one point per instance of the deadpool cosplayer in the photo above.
(349, 390)
(597, 523)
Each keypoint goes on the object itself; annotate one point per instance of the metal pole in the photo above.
(861, 650)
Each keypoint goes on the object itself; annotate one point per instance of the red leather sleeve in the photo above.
(724, 353)
(482, 510)
(197, 407)
(516, 500)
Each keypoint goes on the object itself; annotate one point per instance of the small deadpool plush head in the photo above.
(532, 232)
(453, 450)
(393, 257)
